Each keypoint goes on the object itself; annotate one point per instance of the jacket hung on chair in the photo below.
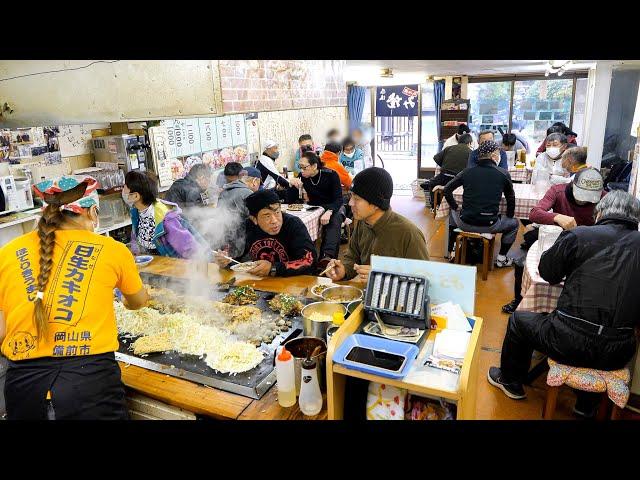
(173, 236)
(483, 188)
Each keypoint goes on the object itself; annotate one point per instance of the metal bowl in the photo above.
(333, 294)
(352, 306)
(318, 328)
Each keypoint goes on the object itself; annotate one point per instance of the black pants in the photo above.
(440, 179)
(330, 246)
(82, 388)
(569, 344)
(518, 272)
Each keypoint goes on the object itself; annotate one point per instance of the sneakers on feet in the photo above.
(510, 307)
(507, 262)
(511, 390)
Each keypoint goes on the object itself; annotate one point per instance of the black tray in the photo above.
(253, 383)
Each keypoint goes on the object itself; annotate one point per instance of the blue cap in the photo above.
(251, 172)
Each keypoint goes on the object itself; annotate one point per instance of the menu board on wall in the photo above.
(191, 136)
(76, 139)
(238, 130)
(223, 127)
(208, 134)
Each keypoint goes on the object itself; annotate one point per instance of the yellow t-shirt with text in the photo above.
(78, 298)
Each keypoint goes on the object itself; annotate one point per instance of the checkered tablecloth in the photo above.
(537, 295)
(522, 175)
(526, 198)
(310, 218)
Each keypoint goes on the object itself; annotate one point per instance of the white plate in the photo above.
(243, 267)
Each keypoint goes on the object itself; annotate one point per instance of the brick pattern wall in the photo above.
(266, 85)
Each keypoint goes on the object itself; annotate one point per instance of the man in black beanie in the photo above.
(278, 242)
(379, 231)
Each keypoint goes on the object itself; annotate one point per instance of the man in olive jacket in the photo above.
(379, 230)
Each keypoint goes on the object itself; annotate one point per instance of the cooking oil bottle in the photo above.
(286, 378)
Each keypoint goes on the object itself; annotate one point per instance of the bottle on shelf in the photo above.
(310, 400)
(286, 379)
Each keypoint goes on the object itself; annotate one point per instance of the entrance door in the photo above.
(396, 134)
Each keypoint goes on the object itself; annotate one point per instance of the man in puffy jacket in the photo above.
(190, 191)
(593, 323)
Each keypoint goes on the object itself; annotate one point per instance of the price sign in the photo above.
(224, 132)
(179, 133)
(238, 132)
(192, 136)
(171, 137)
(208, 134)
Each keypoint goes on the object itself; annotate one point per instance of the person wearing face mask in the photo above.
(157, 226)
(593, 323)
(484, 185)
(333, 136)
(271, 179)
(305, 144)
(351, 157)
(566, 205)
(57, 321)
(455, 138)
(550, 161)
(485, 136)
(361, 142)
(559, 127)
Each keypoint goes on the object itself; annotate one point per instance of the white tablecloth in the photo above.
(310, 218)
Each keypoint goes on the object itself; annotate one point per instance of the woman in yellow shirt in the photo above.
(57, 324)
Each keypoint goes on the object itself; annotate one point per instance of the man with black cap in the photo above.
(278, 242)
(379, 230)
(484, 185)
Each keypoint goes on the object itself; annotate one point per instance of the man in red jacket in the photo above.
(572, 204)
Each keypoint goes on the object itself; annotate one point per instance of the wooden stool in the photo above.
(438, 194)
(488, 242)
(613, 385)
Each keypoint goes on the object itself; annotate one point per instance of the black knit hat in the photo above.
(375, 185)
(260, 199)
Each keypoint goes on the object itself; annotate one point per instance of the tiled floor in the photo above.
(491, 295)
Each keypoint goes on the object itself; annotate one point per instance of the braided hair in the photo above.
(50, 221)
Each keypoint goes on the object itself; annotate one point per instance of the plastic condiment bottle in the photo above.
(310, 397)
(286, 378)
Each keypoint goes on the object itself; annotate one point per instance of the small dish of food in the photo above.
(295, 207)
(287, 305)
(317, 290)
(143, 260)
(342, 294)
(243, 267)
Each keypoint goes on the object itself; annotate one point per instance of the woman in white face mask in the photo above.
(351, 157)
(551, 159)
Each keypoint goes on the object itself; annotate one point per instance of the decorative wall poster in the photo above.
(223, 127)
(252, 132)
(397, 101)
(208, 134)
(238, 130)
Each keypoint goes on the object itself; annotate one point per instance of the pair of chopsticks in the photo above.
(329, 267)
(224, 256)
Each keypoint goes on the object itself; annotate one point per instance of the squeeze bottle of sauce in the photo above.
(310, 397)
(286, 379)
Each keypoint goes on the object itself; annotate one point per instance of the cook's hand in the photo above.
(220, 260)
(566, 222)
(337, 270)
(324, 219)
(295, 182)
(362, 271)
(262, 269)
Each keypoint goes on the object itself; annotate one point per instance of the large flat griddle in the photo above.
(253, 383)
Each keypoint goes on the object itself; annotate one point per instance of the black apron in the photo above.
(82, 388)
